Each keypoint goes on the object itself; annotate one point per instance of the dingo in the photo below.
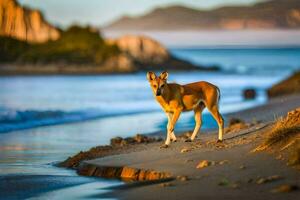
(175, 98)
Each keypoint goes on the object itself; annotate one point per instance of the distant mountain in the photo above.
(24, 24)
(275, 14)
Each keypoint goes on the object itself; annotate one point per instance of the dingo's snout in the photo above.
(158, 92)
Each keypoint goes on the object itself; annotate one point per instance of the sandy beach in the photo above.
(204, 168)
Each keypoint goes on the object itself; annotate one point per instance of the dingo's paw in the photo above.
(164, 146)
(219, 141)
(173, 140)
(188, 140)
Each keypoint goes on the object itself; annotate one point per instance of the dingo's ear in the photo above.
(151, 76)
(164, 76)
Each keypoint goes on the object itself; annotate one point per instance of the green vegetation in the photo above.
(75, 46)
(11, 49)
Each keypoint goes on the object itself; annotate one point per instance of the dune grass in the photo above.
(285, 137)
(294, 158)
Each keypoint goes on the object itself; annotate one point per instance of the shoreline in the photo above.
(133, 160)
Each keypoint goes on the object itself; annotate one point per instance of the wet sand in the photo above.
(27, 186)
(52, 187)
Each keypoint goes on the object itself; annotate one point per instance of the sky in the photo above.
(102, 12)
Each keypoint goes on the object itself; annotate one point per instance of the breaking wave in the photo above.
(11, 120)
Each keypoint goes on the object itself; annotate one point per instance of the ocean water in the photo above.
(45, 119)
(28, 102)
(244, 60)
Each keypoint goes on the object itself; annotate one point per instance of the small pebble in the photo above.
(235, 186)
(166, 184)
(189, 160)
(223, 182)
(224, 162)
(250, 180)
(182, 178)
(203, 164)
(285, 188)
(242, 167)
(184, 150)
(268, 179)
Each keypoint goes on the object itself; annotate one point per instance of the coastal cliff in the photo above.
(25, 24)
(142, 48)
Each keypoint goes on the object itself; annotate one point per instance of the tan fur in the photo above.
(175, 98)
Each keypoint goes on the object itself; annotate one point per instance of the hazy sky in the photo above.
(101, 12)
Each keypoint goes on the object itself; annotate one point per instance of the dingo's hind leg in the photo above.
(173, 137)
(218, 117)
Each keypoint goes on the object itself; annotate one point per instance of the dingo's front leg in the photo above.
(170, 127)
(168, 139)
(175, 117)
(172, 135)
(167, 142)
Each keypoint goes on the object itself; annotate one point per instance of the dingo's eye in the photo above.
(155, 86)
(162, 86)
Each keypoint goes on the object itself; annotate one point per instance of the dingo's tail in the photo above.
(219, 96)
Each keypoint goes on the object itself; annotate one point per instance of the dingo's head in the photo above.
(157, 83)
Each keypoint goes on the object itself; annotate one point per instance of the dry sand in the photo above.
(233, 172)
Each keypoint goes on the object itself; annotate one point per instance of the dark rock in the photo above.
(234, 121)
(137, 139)
(117, 146)
(129, 140)
(141, 138)
(249, 93)
(116, 141)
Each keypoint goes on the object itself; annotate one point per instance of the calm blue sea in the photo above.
(246, 60)
(45, 119)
